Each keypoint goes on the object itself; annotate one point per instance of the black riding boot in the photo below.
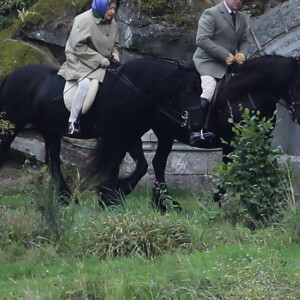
(202, 135)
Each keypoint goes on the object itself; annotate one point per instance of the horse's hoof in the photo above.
(109, 199)
(65, 198)
(162, 201)
(176, 206)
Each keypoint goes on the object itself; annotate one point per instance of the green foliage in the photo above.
(6, 127)
(129, 234)
(56, 219)
(16, 228)
(10, 5)
(161, 7)
(260, 186)
(8, 9)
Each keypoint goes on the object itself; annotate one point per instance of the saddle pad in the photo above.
(70, 90)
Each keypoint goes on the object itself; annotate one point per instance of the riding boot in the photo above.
(203, 134)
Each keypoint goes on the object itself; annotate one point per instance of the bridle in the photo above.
(179, 117)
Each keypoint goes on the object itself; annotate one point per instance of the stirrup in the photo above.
(73, 128)
(207, 135)
(195, 137)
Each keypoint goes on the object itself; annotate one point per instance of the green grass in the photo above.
(236, 272)
(111, 254)
(225, 261)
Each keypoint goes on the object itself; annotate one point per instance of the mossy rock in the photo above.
(48, 11)
(14, 54)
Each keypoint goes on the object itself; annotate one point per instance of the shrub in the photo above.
(116, 234)
(6, 127)
(261, 186)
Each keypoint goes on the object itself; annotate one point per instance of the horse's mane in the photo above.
(264, 72)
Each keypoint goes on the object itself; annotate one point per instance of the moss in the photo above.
(47, 11)
(16, 54)
(163, 7)
(53, 9)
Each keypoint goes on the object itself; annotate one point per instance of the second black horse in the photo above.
(258, 84)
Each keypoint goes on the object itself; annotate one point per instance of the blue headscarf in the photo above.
(101, 6)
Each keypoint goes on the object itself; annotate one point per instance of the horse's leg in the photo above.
(226, 149)
(109, 192)
(161, 198)
(52, 145)
(126, 185)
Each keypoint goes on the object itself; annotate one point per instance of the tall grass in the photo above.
(49, 251)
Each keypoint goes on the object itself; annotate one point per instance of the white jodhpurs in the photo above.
(208, 84)
(83, 87)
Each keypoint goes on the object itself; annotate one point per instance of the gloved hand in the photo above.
(105, 63)
(240, 58)
(229, 59)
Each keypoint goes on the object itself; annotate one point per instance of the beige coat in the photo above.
(88, 44)
(216, 37)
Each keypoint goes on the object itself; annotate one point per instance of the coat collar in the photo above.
(224, 11)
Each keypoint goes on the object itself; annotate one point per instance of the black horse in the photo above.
(258, 84)
(122, 111)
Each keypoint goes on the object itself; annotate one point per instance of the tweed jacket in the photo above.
(88, 44)
(216, 37)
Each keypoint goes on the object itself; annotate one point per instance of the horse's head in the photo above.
(294, 94)
(186, 97)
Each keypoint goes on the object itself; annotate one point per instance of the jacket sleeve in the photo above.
(205, 33)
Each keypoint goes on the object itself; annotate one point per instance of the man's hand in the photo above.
(229, 59)
(240, 58)
(105, 63)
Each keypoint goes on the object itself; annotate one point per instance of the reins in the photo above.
(176, 117)
(180, 118)
(124, 79)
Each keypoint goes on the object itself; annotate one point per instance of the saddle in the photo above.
(221, 84)
(70, 89)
